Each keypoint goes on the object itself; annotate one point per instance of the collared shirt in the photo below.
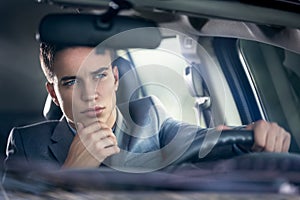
(73, 130)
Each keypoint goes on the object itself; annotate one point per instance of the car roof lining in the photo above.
(235, 10)
(276, 27)
(286, 38)
(121, 32)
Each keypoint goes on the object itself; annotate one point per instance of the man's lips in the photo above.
(92, 112)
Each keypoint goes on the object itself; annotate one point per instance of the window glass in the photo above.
(161, 72)
(275, 74)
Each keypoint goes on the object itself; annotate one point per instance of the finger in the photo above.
(273, 138)
(105, 143)
(100, 135)
(95, 132)
(110, 151)
(96, 147)
(260, 129)
(109, 131)
(79, 126)
(106, 152)
(94, 127)
(250, 126)
(222, 127)
(279, 140)
(114, 139)
(278, 144)
(286, 142)
(259, 140)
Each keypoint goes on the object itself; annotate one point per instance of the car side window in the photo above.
(162, 70)
(161, 74)
(275, 76)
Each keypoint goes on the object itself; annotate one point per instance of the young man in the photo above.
(82, 82)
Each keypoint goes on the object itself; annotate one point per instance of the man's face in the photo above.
(84, 86)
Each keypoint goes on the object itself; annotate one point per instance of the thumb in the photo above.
(222, 128)
(79, 126)
(250, 126)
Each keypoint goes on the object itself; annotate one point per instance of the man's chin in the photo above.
(90, 121)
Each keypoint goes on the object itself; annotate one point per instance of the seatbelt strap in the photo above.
(199, 91)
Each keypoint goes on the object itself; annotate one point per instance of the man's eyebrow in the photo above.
(102, 69)
(66, 78)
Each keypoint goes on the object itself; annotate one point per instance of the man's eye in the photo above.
(100, 76)
(70, 82)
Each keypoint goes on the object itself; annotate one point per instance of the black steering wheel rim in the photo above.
(224, 147)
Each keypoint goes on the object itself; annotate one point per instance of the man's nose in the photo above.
(89, 93)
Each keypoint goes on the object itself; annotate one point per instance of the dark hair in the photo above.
(47, 54)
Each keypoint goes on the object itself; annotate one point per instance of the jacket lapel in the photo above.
(62, 138)
(120, 132)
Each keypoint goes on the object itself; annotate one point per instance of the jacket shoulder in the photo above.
(34, 135)
(45, 126)
(29, 143)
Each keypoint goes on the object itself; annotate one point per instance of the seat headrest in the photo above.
(144, 111)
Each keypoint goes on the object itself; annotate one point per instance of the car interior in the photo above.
(205, 63)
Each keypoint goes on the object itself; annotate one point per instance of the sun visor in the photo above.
(89, 30)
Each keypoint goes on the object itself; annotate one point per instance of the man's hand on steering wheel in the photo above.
(269, 137)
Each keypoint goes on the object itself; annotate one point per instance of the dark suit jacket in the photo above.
(153, 142)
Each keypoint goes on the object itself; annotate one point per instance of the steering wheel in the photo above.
(220, 148)
(230, 140)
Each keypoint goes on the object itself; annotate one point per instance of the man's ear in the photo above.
(51, 91)
(116, 76)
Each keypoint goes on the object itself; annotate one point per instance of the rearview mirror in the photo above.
(90, 30)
